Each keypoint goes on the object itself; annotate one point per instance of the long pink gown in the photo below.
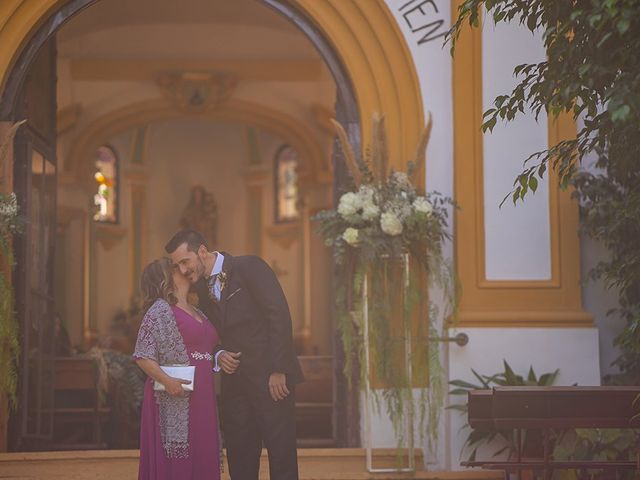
(203, 461)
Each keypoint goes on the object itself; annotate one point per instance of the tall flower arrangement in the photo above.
(384, 219)
(9, 330)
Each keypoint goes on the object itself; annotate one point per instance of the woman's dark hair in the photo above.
(192, 238)
(157, 282)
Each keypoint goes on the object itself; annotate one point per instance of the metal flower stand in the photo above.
(409, 415)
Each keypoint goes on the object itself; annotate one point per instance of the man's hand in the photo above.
(229, 361)
(278, 386)
(173, 386)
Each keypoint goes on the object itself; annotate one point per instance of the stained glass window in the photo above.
(106, 177)
(286, 185)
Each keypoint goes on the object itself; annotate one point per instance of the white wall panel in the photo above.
(517, 238)
(572, 350)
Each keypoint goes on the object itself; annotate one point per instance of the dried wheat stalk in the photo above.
(349, 156)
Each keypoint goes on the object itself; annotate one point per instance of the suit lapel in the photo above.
(227, 268)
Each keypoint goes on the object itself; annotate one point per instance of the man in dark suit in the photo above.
(244, 299)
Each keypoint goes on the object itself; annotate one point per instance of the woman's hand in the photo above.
(173, 386)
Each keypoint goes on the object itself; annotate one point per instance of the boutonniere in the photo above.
(222, 278)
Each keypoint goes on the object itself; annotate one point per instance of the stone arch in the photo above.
(235, 111)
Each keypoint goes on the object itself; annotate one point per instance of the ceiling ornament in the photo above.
(197, 91)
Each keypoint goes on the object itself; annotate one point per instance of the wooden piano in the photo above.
(549, 409)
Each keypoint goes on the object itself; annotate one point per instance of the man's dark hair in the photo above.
(192, 238)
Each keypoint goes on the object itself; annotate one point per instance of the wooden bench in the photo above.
(314, 402)
(77, 403)
(548, 409)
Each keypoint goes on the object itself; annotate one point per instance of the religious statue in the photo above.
(201, 214)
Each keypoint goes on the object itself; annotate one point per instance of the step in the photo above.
(315, 464)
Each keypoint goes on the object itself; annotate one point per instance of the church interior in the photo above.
(214, 118)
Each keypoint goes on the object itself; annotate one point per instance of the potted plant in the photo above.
(505, 441)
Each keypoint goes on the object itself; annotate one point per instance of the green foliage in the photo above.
(610, 206)
(505, 440)
(599, 445)
(10, 225)
(391, 234)
(9, 331)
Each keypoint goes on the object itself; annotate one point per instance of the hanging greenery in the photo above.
(9, 330)
(388, 234)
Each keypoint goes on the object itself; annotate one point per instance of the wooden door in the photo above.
(35, 184)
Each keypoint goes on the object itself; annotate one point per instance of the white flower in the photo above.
(8, 206)
(401, 179)
(370, 211)
(366, 193)
(422, 205)
(390, 224)
(350, 235)
(349, 204)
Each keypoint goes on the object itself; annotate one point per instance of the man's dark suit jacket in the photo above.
(253, 317)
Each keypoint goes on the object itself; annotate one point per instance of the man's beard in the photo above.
(200, 273)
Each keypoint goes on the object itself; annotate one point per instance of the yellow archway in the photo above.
(364, 34)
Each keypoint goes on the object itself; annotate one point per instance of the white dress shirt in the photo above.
(217, 291)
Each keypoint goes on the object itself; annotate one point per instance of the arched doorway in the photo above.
(362, 69)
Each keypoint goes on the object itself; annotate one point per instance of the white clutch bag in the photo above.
(183, 372)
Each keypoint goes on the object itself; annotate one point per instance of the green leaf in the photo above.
(604, 39)
(548, 379)
(484, 383)
(621, 113)
(623, 25)
(463, 384)
(594, 19)
(489, 124)
(541, 170)
(522, 179)
(516, 195)
(582, 69)
(459, 391)
(533, 183)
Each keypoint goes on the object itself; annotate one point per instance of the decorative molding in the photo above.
(257, 175)
(138, 238)
(136, 174)
(197, 91)
(284, 234)
(109, 235)
(142, 70)
(254, 218)
(289, 128)
(139, 146)
(524, 318)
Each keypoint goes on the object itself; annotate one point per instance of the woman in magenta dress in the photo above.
(179, 434)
